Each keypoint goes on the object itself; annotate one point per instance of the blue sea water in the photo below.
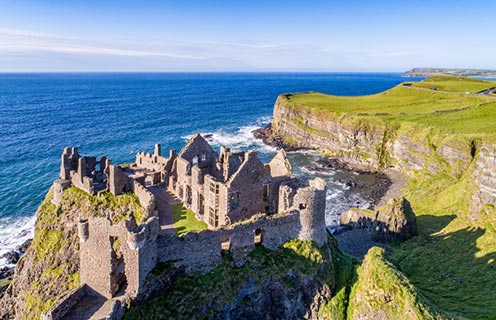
(119, 114)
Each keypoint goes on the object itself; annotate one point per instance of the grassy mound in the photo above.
(382, 292)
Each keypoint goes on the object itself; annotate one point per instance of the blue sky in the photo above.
(334, 36)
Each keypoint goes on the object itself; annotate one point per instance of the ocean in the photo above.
(120, 114)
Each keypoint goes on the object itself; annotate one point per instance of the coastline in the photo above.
(381, 186)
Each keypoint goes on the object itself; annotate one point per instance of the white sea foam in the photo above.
(242, 138)
(14, 232)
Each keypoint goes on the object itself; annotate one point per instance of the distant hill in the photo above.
(428, 72)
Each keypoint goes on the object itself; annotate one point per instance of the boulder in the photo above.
(394, 221)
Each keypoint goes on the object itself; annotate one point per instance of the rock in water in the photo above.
(394, 221)
(12, 257)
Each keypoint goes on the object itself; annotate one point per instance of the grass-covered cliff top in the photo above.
(454, 84)
(414, 102)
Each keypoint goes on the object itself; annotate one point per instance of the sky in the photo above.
(245, 36)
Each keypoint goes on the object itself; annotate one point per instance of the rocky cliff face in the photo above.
(352, 143)
(485, 179)
(47, 269)
(369, 143)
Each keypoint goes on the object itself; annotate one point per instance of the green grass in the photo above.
(120, 206)
(473, 121)
(381, 290)
(398, 101)
(453, 261)
(201, 296)
(455, 84)
(185, 221)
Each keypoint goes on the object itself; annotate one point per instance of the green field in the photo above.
(455, 84)
(185, 221)
(398, 101)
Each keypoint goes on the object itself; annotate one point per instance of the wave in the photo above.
(240, 138)
(14, 232)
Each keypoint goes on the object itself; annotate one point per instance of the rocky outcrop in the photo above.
(394, 221)
(272, 299)
(49, 268)
(485, 179)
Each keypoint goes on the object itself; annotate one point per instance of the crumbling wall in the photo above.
(118, 181)
(279, 165)
(66, 304)
(100, 241)
(59, 186)
(246, 189)
(201, 251)
(311, 201)
(146, 198)
(151, 161)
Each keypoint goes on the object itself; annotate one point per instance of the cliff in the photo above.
(444, 141)
(49, 268)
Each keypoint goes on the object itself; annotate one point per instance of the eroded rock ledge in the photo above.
(394, 221)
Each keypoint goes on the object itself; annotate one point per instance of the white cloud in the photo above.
(59, 51)
(24, 41)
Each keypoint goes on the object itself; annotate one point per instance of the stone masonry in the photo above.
(244, 202)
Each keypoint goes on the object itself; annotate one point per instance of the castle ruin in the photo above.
(243, 201)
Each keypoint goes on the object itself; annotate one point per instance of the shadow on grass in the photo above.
(451, 268)
(185, 220)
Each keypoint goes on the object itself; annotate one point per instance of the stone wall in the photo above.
(311, 202)
(66, 304)
(124, 254)
(155, 161)
(118, 181)
(246, 187)
(146, 198)
(202, 251)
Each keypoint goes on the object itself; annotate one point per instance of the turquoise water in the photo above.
(120, 114)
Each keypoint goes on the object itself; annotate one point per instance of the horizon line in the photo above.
(162, 72)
